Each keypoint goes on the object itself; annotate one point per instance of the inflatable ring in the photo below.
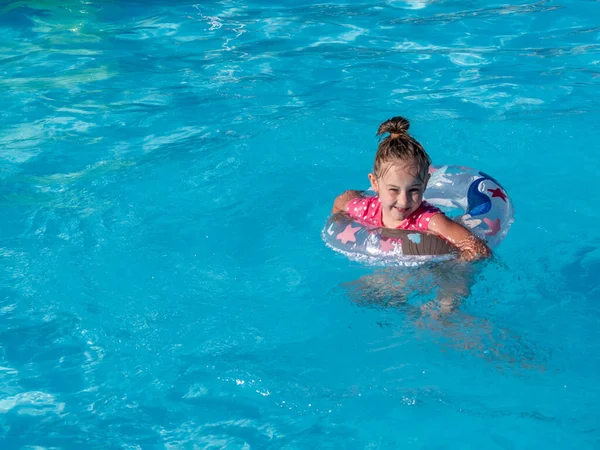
(471, 198)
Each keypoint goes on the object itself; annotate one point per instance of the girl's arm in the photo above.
(470, 246)
(342, 200)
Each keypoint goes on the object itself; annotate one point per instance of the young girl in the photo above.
(400, 175)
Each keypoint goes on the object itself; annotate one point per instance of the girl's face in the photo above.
(400, 190)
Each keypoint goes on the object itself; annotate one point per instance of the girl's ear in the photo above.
(374, 184)
(427, 180)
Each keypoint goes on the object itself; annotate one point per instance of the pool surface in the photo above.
(166, 169)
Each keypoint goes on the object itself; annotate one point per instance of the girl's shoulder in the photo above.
(420, 218)
(364, 203)
(366, 209)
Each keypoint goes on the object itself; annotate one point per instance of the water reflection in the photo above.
(436, 298)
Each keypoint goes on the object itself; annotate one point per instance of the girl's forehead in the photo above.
(400, 172)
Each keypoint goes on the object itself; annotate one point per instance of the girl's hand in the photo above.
(473, 248)
(469, 246)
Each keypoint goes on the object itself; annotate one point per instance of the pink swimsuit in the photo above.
(367, 210)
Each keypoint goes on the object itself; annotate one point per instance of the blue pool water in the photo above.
(166, 169)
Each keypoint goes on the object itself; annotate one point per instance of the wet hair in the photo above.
(399, 146)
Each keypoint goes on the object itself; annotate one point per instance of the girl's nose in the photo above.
(404, 200)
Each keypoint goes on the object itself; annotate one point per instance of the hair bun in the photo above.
(396, 126)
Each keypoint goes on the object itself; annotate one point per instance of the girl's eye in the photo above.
(394, 190)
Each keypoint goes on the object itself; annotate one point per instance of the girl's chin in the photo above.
(395, 218)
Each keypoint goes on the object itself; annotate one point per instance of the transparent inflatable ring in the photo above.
(471, 198)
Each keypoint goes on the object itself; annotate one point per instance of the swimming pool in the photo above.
(165, 173)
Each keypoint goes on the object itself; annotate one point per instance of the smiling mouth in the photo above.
(402, 210)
